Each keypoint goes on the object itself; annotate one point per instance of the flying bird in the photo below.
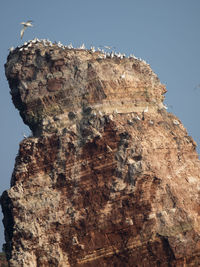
(108, 47)
(25, 24)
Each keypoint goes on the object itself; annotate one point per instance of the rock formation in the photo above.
(3, 261)
(109, 177)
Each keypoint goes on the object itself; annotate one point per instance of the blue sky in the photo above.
(164, 33)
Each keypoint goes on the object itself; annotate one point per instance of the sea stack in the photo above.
(107, 178)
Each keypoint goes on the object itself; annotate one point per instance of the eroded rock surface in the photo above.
(109, 177)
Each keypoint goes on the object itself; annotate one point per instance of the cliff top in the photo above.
(49, 81)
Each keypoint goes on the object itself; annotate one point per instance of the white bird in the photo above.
(123, 76)
(82, 46)
(107, 47)
(161, 106)
(112, 54)
(30, 44)
(24, 136)
(70, 46)
(165, 106)
(175, 122)
(34, 40)
(60, 44)
(11, 49)
(25, 24)
(137, 117)
(92, 49)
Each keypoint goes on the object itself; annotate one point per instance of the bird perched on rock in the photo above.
(82, 46)
(25, 24)
(11, 49)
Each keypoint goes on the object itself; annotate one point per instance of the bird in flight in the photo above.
(25, 24)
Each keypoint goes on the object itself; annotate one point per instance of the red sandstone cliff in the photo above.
(109, 177)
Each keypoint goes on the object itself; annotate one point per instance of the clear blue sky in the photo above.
(164, 33)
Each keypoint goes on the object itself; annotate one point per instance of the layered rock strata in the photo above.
(109, 177)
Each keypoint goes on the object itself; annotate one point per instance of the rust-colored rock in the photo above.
(109, 177)
(3, 261)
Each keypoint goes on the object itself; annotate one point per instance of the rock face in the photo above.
(109, 177)
(3, 261)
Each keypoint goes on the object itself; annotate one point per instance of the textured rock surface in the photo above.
(3, 261)
(109, 177)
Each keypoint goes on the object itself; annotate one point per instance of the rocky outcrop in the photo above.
(3, 261)
(109, 177)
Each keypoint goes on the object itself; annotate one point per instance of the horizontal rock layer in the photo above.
(109, 177)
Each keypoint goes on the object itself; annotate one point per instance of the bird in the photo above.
(162, 106)
(112, 54)
(25, 24)
(108, 47)
(11, 49)
(92, 49)
(24, 136)
(123, 76)
(70, 46)
(82, 46)
(138, 118)
(175, 122)
(165, 106)
(145, 111)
